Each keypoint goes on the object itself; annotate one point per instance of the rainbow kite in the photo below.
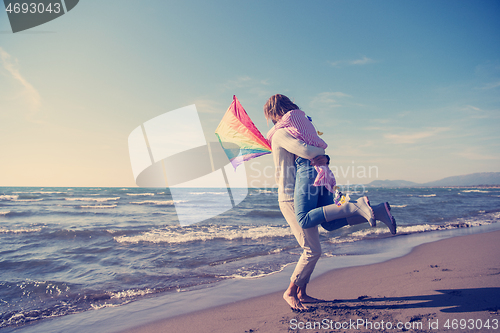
(239, 137)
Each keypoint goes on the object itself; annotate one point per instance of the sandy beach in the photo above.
(448, 285)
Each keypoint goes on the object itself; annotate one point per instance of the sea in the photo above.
(72, 250)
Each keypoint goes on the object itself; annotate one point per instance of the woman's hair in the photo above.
(276, 106)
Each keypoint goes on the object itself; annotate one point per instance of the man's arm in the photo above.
(295, 146)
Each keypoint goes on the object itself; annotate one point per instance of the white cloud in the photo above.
(356, 62)
(414, 137)
(327, 100)
(472, 107)
(477, 113)
(29, 92)
(362, 61)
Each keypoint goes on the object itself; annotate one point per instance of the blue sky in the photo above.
(409, 88)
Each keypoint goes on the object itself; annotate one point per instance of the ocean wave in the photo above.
(255, 274)
(57, 301)
(8, 197)
(476, 191)
(29, 200)
(11, 213)
(398, 206)
(105, 305)
(93, 199)
(176, 235)
(132, 293)
(19, 231)
(427, 195)
(42, 192)
(98, 206)
(487, 218)
(140, 194)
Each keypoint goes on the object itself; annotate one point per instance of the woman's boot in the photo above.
(383, 213)
(359, 208)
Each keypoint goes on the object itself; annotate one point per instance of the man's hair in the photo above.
(277, 105)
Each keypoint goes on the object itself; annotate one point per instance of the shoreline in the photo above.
(447, 280)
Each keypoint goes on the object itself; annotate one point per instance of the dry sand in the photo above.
(455, 281)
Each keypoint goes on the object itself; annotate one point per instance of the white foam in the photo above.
(4, 212)
(42, 192)
(255, 275)
(93, 199)
(140, 194)
(398, 206)
(29, 200)
(486, 218)
(476, 191)
(369, 232)
(131, 293)
(427, 195)
(9, 197)
(19, 231)
(417, 228)
(174, 235)
(105, 305)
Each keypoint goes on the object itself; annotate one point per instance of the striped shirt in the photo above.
(301, 128)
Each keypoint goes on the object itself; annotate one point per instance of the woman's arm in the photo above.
(295, 146)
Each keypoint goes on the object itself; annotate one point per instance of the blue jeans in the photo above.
(309, 199)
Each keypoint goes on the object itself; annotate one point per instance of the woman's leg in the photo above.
(325, 199)
(308, 239)
(307, 211)
(359, 208)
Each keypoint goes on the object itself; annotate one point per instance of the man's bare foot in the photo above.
(309, 299)
(294, 302)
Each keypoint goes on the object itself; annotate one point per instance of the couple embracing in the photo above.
(306, 191)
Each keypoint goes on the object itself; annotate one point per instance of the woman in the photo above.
(288, 150)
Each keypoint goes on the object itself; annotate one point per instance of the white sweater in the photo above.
(285, 147)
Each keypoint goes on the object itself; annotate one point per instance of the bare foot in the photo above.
(294, 302)
(309, 299)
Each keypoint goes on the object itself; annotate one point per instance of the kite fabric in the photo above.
(239, 137)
